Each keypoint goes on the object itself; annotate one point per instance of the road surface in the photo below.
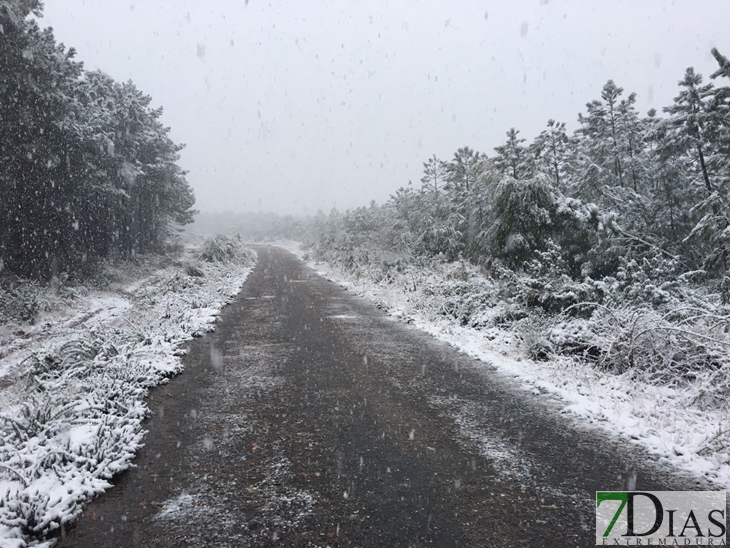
(310, 418)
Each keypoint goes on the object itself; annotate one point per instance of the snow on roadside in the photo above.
(72, 419)
(656, 417)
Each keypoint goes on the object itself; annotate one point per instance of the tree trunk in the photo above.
(555, 163)
(615, 147)
(671, 207)
(633, 170)
(706, 177)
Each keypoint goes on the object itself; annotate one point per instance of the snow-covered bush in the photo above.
(19, 304)
(193, 269)
(464, 300)
(688, 345)
(77, 420)
(532, 334)
(224, 249)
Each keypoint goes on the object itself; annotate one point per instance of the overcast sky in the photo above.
(290, 106)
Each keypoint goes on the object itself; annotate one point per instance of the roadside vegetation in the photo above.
(71, 415)
(609, 246)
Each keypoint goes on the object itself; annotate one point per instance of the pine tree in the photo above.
(524, 211)
(601, 147)
(461, 169)
(37, 191)
(610, 95)
(551, 149)
(86, 167)
(692, 129)
(669, 194)
(720, 114)
(513, 157)
(688, 121)
(435, 173)
(630, 132)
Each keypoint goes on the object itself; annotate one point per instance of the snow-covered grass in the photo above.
(73, 394)
(685, 423)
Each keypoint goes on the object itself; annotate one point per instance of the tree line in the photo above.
(622, 192)
(87, 169)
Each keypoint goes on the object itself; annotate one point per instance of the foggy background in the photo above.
(292, 106)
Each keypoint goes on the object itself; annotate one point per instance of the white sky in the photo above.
(290, 106)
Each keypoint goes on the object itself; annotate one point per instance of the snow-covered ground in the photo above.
(72, 386)
(659, 418)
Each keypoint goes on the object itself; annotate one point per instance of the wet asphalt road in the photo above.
(310, 418)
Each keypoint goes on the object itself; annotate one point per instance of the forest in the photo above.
(610, 244)
(87, 169)
(620, 227)
(622, 188)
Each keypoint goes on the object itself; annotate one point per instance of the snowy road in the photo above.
(309, 418)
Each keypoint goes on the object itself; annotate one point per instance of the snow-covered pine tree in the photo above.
(689, 121)
(460, 169)
(600, 155)
(86, 167)
(37, 190)
(524, 210)
(434, 174)
(630, 134)
(692, 131)
(670, 195)
(513, 157)
(551, 150)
